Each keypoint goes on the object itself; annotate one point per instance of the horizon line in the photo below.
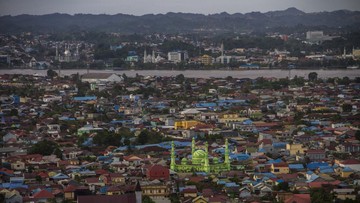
(177, 12)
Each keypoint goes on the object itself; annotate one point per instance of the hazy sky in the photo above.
(140, 7)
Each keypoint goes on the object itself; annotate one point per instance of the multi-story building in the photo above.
(177, 56)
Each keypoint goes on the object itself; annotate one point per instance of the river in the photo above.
(276, 73)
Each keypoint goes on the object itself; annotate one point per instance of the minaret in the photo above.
(192, 146)
(222, 52)
(153, 57)
(57, 53)
(145, 56)
(77, 52)
(172, 162)
(344, 54)
(138, 193)
(227, 161)
(206, 164)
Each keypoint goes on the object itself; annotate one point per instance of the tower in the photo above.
(227, 161)
(192, 146)
(153, 57)
(172, 162)
(138, 193)
(56, 53)
(145, 56)
(222, 52)
(206, 164)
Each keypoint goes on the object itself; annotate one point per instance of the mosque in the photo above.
(200, 161)
(67, 56)
(151, 57)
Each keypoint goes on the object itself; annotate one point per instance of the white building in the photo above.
(101, 78)
(177, 56)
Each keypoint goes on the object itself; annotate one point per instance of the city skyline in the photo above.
(142, 7)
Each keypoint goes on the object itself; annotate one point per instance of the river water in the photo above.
(276, 73)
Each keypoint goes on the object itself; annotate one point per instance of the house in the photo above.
(190, 192)
(299, 198)
(128, 198)
(156, 190)
(354, 164)
(344, 193)
(157, 172)
(244, 192)
(295, 149)
(11, 196)
(18, 166)
(112, 178)
(316, 154)
(280, 168)
(42, 196)
(200, 199)
(101, 78)
(346, 172)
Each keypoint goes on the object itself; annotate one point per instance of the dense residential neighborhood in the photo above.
(104, 137)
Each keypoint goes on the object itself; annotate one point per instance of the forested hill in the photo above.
(179, 22)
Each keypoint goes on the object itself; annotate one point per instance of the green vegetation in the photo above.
(45, 148)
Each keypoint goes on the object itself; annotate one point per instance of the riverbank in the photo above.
(275, 73)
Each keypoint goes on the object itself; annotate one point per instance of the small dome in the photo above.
(184, 160)
(216, 160)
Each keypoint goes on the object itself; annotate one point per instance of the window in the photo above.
(276, 170)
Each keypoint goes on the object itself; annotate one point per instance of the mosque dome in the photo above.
(198, 157)
(199, 154)
(67, 52)
(215, 160)
(184, 160)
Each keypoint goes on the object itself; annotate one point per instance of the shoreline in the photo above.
(268, 73)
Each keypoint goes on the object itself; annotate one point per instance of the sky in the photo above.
(141, 7)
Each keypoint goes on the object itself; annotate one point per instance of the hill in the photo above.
(178, 22)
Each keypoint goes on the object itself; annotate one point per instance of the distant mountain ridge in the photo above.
(177, 22)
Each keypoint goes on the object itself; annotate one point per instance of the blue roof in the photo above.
(103, 189)
(85, 98)
(207, 104)
(315, 165)
(60, 176)
(239, 157)
(274, 161)
(347, 169)
(13, 185)
(279, 144)
(270, 175)
(231, 184)
(296, 166)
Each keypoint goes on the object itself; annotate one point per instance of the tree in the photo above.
(313, 76)
(320, 195)
(147, 199)
(51, 73)
(357, 135)
(45, 148)
(14, 112)
(347, 107)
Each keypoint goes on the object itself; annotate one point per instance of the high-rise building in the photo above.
(177, 56)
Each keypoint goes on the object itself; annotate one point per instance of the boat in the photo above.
(352, 67)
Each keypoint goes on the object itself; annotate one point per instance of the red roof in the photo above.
(320, 184)
(299, 198)
(190, 190)
(43, 194)
(350, 162)
(281, 164)
(70, 188)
